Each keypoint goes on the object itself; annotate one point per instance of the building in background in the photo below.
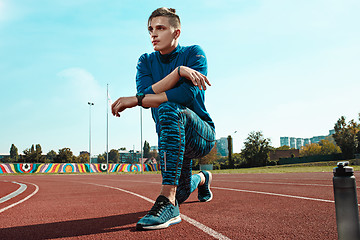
(297, 143)
(284, 141)
(222, 147)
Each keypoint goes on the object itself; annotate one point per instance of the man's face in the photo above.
(163, 36)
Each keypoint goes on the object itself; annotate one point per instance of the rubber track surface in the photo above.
(245, 206)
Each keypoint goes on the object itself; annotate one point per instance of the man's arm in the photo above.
(168, 82)
(159, 88)
(150, 100)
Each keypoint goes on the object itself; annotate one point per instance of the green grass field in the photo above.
(304, 167)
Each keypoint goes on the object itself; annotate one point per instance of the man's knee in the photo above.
(167, 107)
(169, 111)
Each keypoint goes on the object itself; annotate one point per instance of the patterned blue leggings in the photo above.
(183, 135)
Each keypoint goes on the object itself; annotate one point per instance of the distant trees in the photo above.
(65, 155)
(146, 150)
(285, 147)
(256, 150)
(33, 155)
(114, 156)
(51, 156)
(230, 150)
(347, 136)
(211, 157)
(14, 156)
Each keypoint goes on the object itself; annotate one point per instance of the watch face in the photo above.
(140, 97)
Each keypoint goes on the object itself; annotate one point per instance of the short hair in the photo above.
(170, 13)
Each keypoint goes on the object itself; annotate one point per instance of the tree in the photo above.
(146, 149)
(14, 156)
(327, 147)
(230, 149)
(101, 158)
(154, 154)
(211, 157)
(83, 158)
(51, 156)
(33, 155)
(310, 150)
(65, 156)
(347, 137)
(114, 156)
(38, 154)
(285, 147)
(256, 150)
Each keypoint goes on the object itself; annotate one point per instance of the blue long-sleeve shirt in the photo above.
(153, 67)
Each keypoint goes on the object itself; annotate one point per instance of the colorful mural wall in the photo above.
(73, 167)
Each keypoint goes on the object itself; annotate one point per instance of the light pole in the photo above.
(90, 104)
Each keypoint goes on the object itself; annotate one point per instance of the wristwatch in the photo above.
(140, 97)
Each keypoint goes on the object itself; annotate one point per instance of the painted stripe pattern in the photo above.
(74, 167)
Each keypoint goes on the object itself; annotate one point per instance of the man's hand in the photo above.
(197, 78)
(123, 103)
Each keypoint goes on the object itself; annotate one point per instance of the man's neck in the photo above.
(169, 50)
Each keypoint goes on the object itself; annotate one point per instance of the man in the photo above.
(172, 81)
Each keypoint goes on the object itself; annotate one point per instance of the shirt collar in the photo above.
(167, 58)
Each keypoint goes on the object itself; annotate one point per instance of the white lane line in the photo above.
(280, 183)
(274, 194)
(193, 222)
(23, 200)
(20, 190)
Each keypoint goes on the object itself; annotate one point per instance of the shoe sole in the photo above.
(209, 182)
(172, 221)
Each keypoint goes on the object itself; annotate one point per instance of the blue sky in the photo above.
(286, 68)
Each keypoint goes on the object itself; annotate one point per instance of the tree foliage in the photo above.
(230, 150)
(256, 150)
(328, 147)
(211, 157)
(51, 156)
(310, 150)
(83, 158)
(14, 156)
(33, 155)
(114, 156)
(65, 155)
(285, 147)
(146, 149)
(347, 137)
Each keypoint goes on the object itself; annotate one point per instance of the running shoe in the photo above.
(162, 215)
(204, 192)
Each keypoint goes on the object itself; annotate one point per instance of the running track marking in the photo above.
(274, 194)
(257, 192)
(280, 183)
(22, 200)
(20, 190)
(193, 222)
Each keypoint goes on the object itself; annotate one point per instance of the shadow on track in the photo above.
(73, 228)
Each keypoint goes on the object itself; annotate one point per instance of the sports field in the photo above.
(101, 206)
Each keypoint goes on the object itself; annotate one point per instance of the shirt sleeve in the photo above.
(144, 78)
(185, 92)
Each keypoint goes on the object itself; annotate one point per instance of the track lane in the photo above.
(75, 210)
(94, 212)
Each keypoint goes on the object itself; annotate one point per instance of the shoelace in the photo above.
(157, 208)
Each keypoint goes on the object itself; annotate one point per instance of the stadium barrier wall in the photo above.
(316, 158)
(74, 167)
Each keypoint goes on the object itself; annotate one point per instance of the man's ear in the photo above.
(177, 33)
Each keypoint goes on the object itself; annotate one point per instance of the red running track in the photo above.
(245, 206)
